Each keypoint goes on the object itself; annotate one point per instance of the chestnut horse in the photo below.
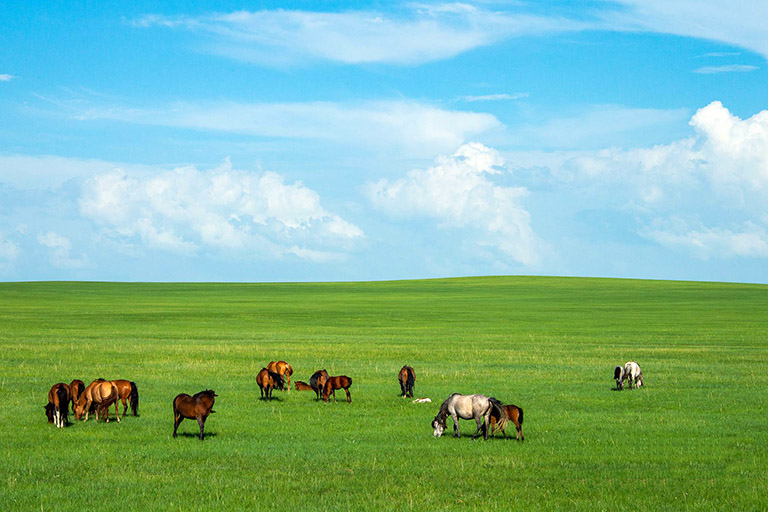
(58, 405)
(334, 383)
(500, 417)
(76, 388)
(283, 369)
(406, 377)
(317, 382)
(101, 393)
(128, 392)
(193, 407)
(301, 386)
(268, 381)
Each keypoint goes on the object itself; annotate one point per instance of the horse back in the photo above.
(58, 395)
(123, 387)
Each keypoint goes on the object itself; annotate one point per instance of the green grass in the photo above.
(695, 438)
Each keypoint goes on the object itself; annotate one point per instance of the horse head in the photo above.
(80, 406)
(49, 412)
(438, 425)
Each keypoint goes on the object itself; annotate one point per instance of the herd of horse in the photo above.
(95, 398)
(489, 414)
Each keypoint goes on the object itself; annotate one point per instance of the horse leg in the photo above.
(125, 405)
(201, 422)
(349, 397)
(289, 383)
(178, 418)
(117, 415)
(403, 391)
(456, 431)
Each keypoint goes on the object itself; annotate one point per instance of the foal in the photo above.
(334, 383)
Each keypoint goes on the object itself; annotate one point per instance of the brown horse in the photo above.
(268, 381)
(58, 405)
(76, 388)
(406, 377)
(283, 369)
(317, 382)
(128, 392)
(193, 407)
(301, 386)
(510, 412)
(334, 383)
(101, 394)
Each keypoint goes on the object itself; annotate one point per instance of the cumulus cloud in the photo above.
(705, 194)
(186, 210)
(422, 34)
(459, 192)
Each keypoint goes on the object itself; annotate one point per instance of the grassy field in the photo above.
(695, 438)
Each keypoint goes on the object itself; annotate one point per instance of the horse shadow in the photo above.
(196, 435)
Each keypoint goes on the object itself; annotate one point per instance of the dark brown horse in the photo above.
(193, 407)
(58, 405)
(406, 377)
(317, 382)
(268, 381)
(76, 388)
(334, 383)
(508, 412)
(283, 369)
(128, 393)
(101, 394)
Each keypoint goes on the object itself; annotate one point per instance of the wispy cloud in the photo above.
(730, 68)
(422, 34)
(6, 77)
(494, 97)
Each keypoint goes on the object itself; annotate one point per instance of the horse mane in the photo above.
(279, 383)
(443, 413)
(209, 392)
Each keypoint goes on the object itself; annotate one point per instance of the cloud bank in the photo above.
(187, 210)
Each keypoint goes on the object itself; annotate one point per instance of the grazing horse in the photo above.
(76, 388)
(267, 381)
(619, 375)
(101, 394)
(58, 405)
(634, 374)
(334, 383)
(317, 382)
(283, 369)
(406, 377)
(499, 421)
(477, 407)
(193, 407)
(128, 393)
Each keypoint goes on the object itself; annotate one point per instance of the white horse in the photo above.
(477, 407)
(633, 374)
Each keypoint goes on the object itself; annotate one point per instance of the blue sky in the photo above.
(322, 141)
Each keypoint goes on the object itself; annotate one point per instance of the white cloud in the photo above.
(61, 247)
(731, 68)
(424, 33)
(495, 97)
(186, 210)
(458, 193)
(8, 252)
(705, 194)
(411, 126)
(736, 22)
(6, 77)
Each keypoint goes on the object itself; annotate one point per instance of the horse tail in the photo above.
(498, 412)
(520, 415)
(134, 399)
(411, 378)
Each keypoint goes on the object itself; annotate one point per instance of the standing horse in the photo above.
(406, 377)
(619, 375)
(267, 381)
(634, 374)
(76, 388)
(58, 405)
(283, 369)
(128, 393)
(499, 421)
(193, 407)
(317, 382)
(334, 383)
(101, 393)
(477, 407)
